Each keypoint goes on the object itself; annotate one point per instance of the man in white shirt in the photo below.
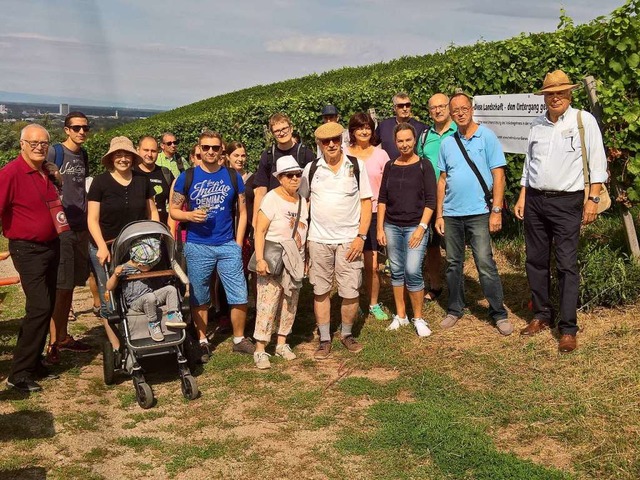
(340, 197)
(553, 192)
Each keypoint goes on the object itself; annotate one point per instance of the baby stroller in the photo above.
(131, 326)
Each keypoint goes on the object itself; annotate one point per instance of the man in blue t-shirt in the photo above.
(211, 197)
(463, 211)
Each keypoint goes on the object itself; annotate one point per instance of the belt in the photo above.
(553, 193)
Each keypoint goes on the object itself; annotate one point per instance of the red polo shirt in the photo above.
(23, 208)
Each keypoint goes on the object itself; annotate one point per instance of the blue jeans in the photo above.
(476, 229)
(101, 280)
(202, 260)
(406, 263)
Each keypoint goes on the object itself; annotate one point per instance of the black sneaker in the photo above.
(205, 352)
(245, 346)
(27, 386)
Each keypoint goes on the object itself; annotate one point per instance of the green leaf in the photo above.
(633, 60)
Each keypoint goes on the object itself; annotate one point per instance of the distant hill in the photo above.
(19, 97)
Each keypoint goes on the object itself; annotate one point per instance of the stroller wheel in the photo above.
(144, 394)
(108, 363)
(189, 387)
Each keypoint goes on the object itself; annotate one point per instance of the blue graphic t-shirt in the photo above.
(214, 193)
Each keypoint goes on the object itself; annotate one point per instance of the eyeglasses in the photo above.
(33, 145)
(400, 106)
(438, 107)
(293, 175)
(327, 141)
(77, 128)
(282, 131)
(461, 111)
(213, 148)
(171, 144)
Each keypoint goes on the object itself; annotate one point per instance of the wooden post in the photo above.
(627, 219)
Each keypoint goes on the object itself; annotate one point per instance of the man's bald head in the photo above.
(439, 109)
(32, 128)
(34, 144)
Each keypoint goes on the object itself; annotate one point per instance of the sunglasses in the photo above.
(403, 105)
(213, 148)
(293, 175)
(171, 144)
(77, 128)
(327, 141)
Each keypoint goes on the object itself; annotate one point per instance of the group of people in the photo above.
(400, 186)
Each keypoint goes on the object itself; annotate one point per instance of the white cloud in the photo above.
(320, 45)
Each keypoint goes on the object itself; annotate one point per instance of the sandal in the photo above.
(433, 294)
(72, 315)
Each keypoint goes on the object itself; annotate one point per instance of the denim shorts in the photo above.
(202, 260)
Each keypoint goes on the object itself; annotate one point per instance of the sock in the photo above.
(325, 332)
(346, 329)
(237, 340)
(203, 341)
(172, 314)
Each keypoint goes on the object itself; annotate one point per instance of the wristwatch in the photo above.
(363, 237)
(595, 199)
(496, 209)
(424, 226)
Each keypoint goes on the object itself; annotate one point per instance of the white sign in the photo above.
(509, 116)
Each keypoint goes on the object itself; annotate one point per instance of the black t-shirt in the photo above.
(119, 205)
(160, 189)
(385, 134)
(264, 177)
(406, 191)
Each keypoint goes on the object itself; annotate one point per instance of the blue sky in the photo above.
(170, 53)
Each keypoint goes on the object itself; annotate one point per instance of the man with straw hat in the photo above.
(552, 205)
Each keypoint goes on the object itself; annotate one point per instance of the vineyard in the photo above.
(605, 48)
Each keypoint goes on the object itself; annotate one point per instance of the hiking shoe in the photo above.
(73, 345)
(351, 344)
(174, 320)
(156, 332)
(205, 352)
(397, 322)
(261, 360)
(449, 321)
(504, 327)
(377, 312)
(422, 327)
(245, 346)
(285, 352)
(323, 350)
(27, 386)
(53, 355)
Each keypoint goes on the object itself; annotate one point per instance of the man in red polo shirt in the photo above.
(28, 204)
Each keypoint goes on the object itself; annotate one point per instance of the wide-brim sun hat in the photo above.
(556, 81)
(329, 130)
(286, 164)
(120, 143)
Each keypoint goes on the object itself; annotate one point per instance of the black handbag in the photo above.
(488, 195)
(273, 250)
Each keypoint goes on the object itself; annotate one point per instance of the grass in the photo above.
(463, 404)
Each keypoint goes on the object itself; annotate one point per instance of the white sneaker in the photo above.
(285, 352)
(262, 360)
(422, 327)
(398, 322)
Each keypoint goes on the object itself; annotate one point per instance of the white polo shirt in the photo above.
(554, 155)
(335, 201)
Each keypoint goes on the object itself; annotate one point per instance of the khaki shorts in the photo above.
(73, 269)
(327, 262)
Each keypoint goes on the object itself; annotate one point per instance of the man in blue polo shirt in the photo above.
(211, 242)
(462, 210)
(428, 146)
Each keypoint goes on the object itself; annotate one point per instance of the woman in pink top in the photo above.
(362, 145)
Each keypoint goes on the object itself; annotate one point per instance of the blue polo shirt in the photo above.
(463, 195)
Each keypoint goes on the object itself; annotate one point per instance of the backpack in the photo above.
(271, 155)
(166, 173)
(59, 157)
(422, 139)
(353, 160)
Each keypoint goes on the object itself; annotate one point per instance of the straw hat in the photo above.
(120, 143)
(286, 164)
(329, 130)
(556, 81)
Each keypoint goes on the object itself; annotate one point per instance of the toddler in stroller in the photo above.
(144, 295)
